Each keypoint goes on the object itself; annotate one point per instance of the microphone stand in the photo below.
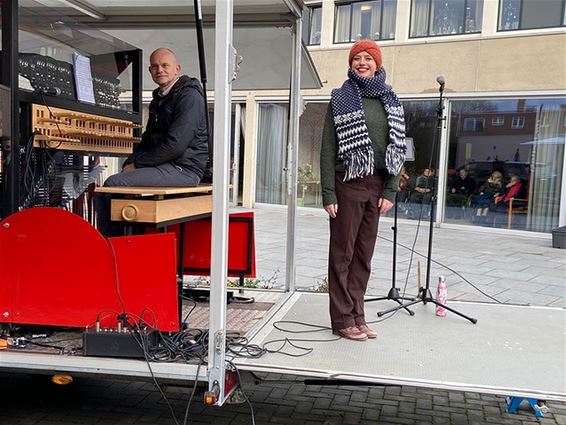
(425, 295)
(394, 291)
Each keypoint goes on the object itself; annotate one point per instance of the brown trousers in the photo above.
(352, 241)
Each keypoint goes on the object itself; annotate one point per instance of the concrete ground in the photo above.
(478, 264)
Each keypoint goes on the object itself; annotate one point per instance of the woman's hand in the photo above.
(332, 210)
(384, 205)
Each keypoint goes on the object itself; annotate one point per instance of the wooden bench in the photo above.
(159, 206)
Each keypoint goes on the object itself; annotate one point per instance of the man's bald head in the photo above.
(163, 67)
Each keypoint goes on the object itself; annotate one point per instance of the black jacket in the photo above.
(176, 129)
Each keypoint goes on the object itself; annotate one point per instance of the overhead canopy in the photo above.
(117, 12)
(266, 55)
(262, 35)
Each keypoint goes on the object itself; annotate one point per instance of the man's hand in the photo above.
(128, 167)
(332, 210)
(384, 205)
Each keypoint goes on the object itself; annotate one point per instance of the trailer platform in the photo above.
(512, 350)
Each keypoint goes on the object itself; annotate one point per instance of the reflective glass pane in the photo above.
(508, 172)
(315, 25)
(473, 16)
(271, 154)
(509, 14)
(310, 137)
(447, 17)
(419, 175)
(419, 18)
(388, 20)
(366, 20)
(342, 24)
(528, 14)
(541, 13)
(306, 24)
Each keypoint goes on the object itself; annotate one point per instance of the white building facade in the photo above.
(505, 103)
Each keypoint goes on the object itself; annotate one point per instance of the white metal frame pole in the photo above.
(293, 152)
(442, 178)
(223, 76)
(236, 154)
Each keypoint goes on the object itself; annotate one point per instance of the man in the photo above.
(174, 147)
(460, 189)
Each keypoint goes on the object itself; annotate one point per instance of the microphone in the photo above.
(440, 80)
(50, 91)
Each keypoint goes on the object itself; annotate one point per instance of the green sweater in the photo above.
(330, 164)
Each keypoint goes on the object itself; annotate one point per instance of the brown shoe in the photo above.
(365, 329)
(352, 333)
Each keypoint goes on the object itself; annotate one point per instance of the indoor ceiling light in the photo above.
(84, 8)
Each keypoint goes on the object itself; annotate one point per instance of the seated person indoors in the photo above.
(174, 147)
(513, 189)
(500, 204)
(486, 195)
(460, 188)
(404, 188)
(422, 193)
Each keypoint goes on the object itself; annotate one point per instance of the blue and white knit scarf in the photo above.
(355, 148)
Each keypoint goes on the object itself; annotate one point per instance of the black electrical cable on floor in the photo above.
(412, 250)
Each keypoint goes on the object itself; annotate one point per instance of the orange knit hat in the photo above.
(369, 46)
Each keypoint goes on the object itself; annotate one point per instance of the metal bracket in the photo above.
(234, 62)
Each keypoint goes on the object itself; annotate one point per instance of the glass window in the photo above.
(421, 120)
(271, 154)
(312, 21)
(518, 122)
(310, 138)
(373, 20)
(508, 176)
(498, 121)
(415, 195)
(445, 17)
(474, 124)
(527, 14)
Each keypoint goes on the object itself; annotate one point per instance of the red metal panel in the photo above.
(56, 269)
(147, 278)
(241, 245)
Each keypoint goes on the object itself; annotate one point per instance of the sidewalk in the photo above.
(511, 268)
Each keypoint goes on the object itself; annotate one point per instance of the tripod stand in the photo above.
(425, 295)
(393, 293)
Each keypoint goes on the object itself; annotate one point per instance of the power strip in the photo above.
(114, 343)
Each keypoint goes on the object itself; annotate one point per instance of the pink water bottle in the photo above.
(441, 296)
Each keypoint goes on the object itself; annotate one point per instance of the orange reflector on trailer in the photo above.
(62, 379)
(210, 398)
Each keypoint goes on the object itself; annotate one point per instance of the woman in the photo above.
(363, 150)
(486, 195)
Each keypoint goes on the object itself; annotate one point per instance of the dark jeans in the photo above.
(352, 241)
(165, 175)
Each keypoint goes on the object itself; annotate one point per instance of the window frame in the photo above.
(311, 7)
(350, 3)
(476, 120)
(497, 121)
(520, 124)
(442, 35)
(500, 10)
